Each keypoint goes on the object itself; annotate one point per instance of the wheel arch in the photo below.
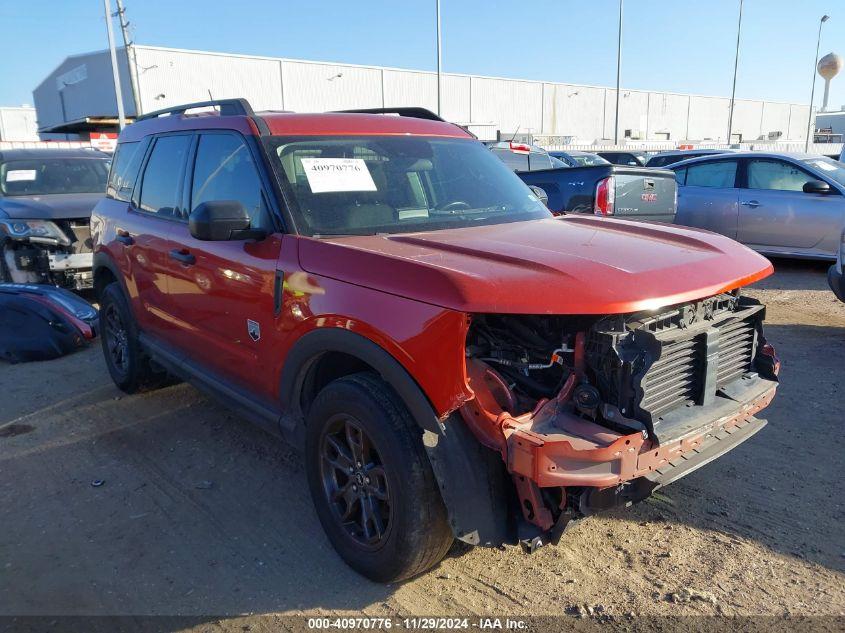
(306, 371)
(472, 479)
(105, 272)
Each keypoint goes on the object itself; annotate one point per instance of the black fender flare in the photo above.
(311, 346)
(472, 479)
(103, 260)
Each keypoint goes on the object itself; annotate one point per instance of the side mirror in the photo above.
(816, 186)
(540, 193)
(221, 220)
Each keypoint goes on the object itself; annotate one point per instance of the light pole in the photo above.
(810, 125)
(618, 75)
(118, 93)
(131, 62)
(439, 58)
(736, 66)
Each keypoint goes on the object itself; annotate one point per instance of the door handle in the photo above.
(182, 256)
(124, 238)
(750, 203)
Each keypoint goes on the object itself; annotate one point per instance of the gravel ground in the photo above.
(200, 513)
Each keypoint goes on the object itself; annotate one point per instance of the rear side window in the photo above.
(681, 176)
(224, 170)
(124, 171)
(775, 175)
(662, 161)
(719, 174)
(162, 176)
(516, 162)
(539, 160)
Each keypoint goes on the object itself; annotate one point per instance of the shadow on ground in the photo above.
(782, 487)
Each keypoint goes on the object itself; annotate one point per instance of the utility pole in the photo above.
(131, 62)
(118, 93)
(810, 125)
(736, 66)
(618, 75)
(439, 58)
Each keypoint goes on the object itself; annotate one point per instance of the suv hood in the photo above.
(568, 265)
(64, 206)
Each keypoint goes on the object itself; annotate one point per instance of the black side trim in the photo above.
(278, 288)
(232, 396)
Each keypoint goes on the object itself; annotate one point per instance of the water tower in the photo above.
(829, 66)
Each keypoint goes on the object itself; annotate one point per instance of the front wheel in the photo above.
(130, 369)
(371, 482)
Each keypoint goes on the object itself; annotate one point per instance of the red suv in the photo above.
(454, 361)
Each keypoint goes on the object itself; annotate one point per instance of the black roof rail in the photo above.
(228, 107)
(413, 112)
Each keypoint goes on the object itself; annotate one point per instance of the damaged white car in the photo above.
(46, 198)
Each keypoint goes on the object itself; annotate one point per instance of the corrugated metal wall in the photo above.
(168, 79)
(586, 113)
(81, 86)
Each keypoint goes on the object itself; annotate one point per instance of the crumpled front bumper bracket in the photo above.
(552, 447)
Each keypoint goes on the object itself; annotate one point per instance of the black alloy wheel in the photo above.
(355, 483)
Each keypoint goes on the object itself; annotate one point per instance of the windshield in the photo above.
(589, 160)
(385, 184)
(833, 169)
(47, 176)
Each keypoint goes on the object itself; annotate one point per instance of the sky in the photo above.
(673, 45)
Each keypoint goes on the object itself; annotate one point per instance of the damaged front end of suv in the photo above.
(594, 412)
(46, 198)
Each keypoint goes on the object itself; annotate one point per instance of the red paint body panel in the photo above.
(428, 341)
(294, 124)
(340, 124)
(569, 265)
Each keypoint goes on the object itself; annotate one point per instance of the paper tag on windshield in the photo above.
(825, 166)
(19, 175)
(337, 174)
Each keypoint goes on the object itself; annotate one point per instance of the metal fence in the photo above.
(43, 144)
(824, 149)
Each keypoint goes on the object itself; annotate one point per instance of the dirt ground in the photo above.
(200, 513)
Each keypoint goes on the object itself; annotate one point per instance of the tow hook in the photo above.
(529, 546)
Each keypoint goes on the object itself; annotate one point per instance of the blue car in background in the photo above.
(791, 205)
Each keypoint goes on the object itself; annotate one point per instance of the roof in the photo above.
(49, 152)
(341, 123)
(746, 154)
(296, 124)
(703, 150)
(573, 152)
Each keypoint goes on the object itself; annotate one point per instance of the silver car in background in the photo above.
(791, 205)
(836, 274)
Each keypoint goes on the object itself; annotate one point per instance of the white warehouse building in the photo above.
(78, 97)
(18, 124)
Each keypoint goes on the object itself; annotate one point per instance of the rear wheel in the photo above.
(372, 485)
(130, 369)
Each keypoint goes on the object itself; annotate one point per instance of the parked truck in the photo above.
(633, 193)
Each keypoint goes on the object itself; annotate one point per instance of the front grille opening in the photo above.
(737, 341)
(675, 378)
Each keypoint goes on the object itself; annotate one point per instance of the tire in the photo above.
(5, 273)
(128, 365)
(397, 525)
